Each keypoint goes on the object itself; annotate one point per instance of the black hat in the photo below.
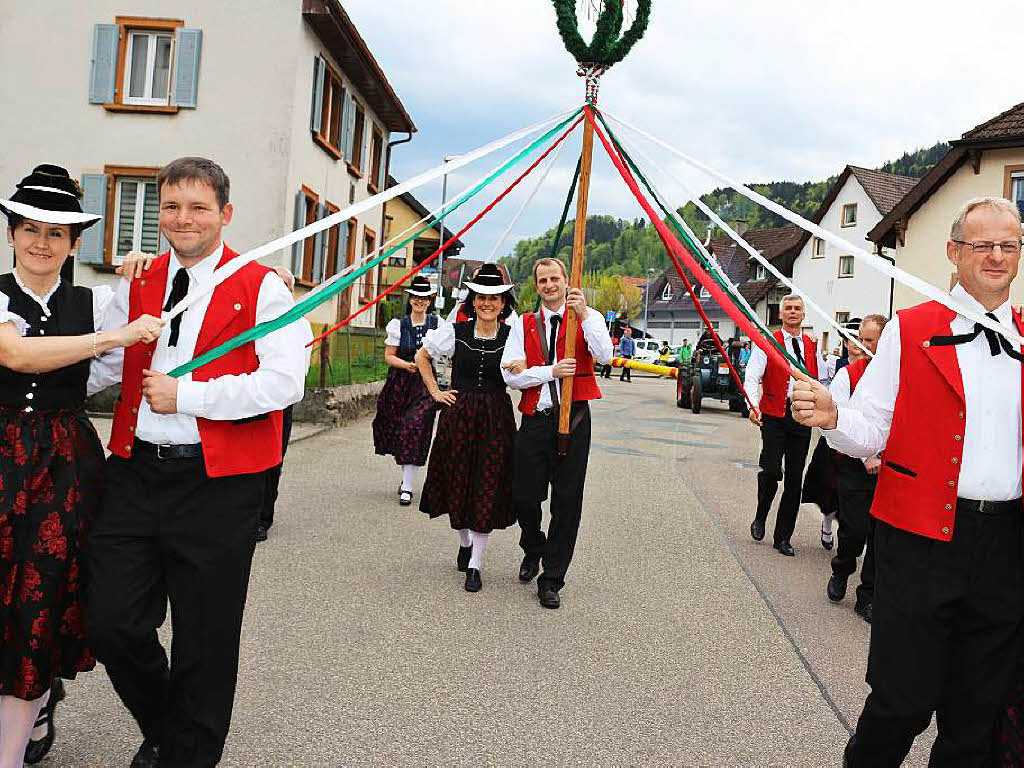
(488, 280)
(421, 287)
(49, 194)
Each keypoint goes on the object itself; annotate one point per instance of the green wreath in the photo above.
(607, 48)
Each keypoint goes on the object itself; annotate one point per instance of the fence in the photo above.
(350, 356)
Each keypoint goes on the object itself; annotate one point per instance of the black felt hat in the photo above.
(421, 287)
(488, 280)
(49, 194)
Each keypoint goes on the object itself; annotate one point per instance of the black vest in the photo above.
(476, 364)
(70, 315)
(412, 336)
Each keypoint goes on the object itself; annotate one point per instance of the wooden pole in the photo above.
(575, 279)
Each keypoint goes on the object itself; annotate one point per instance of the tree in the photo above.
(608, 293)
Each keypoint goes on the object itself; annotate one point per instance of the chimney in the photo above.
(741, 227)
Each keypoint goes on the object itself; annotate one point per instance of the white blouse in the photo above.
(394, 331)
(440, 342)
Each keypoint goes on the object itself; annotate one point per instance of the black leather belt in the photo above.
(546, 413)
(989, 507)
(192, 451)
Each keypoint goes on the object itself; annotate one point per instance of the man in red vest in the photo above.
(534, 361)
(943, 397)
(185, 484)
(769, 386)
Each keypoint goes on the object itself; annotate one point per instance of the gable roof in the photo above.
(421, 210)
(884, 189)
(1003, 130)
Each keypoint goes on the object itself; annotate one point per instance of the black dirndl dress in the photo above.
(51, 468)
(404, 422)
(469, 477)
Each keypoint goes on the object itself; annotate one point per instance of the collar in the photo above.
(42, 301)
(199, 272)
(1002, 312)
(787, 335)
(548, 313)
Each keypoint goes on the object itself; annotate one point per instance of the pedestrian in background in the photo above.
(627, 349)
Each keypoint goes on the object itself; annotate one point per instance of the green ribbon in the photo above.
(565, 210)
(311, 302)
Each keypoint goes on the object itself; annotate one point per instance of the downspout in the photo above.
(892, 281)
(384, 206)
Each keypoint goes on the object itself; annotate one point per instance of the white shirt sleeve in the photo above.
(840, 387)
(440, 342)
(110, 310)
(515, 349)
(863, 426)
(10, 317)
(394, 332)
(280, 378)
(756, 366)
(595, 333)
(823, 373)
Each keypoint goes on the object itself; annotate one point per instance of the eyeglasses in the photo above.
(985, 248)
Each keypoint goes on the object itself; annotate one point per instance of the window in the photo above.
(309, 211)
(1014, 186)
(842, 317)
(760, 273)
(666, 295)
(705, 293)
(147, 72)
(356, 161)
(369, 246)
(328, 108)
(846, 266)
(849, 215)
(331, 257)
(132, 222)
(376, 160)
(817, 248)
(400, 258)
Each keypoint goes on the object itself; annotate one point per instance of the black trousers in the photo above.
(782, 439)
(273, 475)
(606, 371)
(538, 466)
(626, 374)
(944, 639)
(856, 525)
(167, 531)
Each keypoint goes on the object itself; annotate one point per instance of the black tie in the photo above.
(553, 321)
(995, 341)
(799, 355)
(179, 289)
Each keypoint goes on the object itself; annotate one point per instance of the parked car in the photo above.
(707, 375)
(647, 350)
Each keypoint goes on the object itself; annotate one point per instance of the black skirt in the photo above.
(404, 422)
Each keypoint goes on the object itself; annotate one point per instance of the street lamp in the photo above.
(647, 294)
(439, 300)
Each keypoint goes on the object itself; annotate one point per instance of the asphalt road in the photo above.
(680, 641)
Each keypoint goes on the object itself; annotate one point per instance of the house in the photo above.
(671, 313)
(286, 96)
(987, 160)
(840, 284)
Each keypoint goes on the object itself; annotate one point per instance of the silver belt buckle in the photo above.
(159, 451)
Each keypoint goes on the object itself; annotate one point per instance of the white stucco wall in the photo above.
(924, 253)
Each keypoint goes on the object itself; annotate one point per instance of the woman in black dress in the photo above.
(405, 410)
(51, 460)
(470, 470)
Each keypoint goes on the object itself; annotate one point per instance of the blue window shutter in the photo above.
(188, 47)
(364, 151)
(350, 124)
(105, 39)
(342, 256)
(382, 179)
(317, 111)
(320, 241)
(94, 200)
(297, 223)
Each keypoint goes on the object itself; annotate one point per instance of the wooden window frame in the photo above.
(113, 173)
(345, 303)
(845, 256)
(366, 295)
(376, 158)
(841, 320)
(1008, 173)
(842, 215)
(814, 247)
(128, 24)
(358, 139)
(312, 201)
(666, 293)
(330, 119)
(760, 273)
(703, 293)
(331, 262)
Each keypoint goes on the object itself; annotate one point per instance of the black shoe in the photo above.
(148, 756)
(473, 581)
(261, 533)
(757, 530)
(404, 497)
(863, 610)
(528, 570)
(836, 589)
(36, 750)
(548, 597)
(462, 561)
(785, 548)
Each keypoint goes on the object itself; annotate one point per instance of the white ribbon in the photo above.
(911, 281)
(223, 273)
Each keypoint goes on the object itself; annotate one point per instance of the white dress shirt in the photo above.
(839, 387)
(595, 334)
(758, 364)
(991, 466)
(277, 383)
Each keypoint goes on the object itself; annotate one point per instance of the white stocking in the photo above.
(464, 538)
(17, 717)
(409, 476)
(40, 732)
(826, 523)
(479, 545)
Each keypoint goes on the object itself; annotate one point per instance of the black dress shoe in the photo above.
(261, 533)
(528, 570)
(785, 548)
(36, 750)
(473, 581)
(757, 530)
(148, 756)
(864, 611)
(548, 597)
(404, 497)
(836, 589)
(462, 561)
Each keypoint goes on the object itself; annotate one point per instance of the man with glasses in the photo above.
(942, 396)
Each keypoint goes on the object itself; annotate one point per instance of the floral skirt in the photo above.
(405, 419)
(470, 473)
(51, 469)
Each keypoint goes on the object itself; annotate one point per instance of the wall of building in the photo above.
(924, 253)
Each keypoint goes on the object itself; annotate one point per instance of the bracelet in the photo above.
(95, 338)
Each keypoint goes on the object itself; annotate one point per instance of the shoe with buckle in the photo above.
(404, 497)
(37, 749)
(826, 537)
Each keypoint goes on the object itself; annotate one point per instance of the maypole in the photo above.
(606, 49)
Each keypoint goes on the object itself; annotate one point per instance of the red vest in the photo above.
(229, 448)
(917, 483)
(775, 382)
(855, 371)
(584, 386)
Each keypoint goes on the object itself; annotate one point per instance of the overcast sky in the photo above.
(780, 90)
